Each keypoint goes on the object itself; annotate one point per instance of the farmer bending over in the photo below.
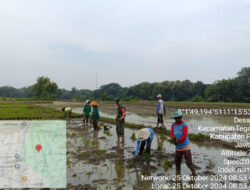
(67, 111)
(144, 136)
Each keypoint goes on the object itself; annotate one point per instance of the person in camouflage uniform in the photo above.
(120, 121)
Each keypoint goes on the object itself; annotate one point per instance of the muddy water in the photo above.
(194, 122)
(96, 161)
(145, 115)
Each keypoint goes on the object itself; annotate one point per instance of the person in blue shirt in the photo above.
(144, 136)
(179, 131)
(160, 111)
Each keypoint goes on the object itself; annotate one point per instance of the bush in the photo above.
(197, 99)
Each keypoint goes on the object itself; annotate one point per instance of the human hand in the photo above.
(172, 140)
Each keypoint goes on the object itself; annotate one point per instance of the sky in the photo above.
(122, 41)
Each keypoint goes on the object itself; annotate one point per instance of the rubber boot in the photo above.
(95, 125)
(192, 168)
(178, 168)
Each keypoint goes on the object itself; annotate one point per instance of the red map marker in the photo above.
(38, 147)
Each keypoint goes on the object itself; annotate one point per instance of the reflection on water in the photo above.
(96, 159)
(195, 123)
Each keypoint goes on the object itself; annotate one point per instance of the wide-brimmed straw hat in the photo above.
(142, 134)
(93, 103)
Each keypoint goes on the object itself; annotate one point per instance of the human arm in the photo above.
(137, 148)
(172, 131)
(98, 116)
(123, 114)
(83, 111)
(158, 107)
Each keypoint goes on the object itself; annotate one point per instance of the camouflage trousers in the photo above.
(120, 128)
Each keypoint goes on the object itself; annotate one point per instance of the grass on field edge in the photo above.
(19, 110)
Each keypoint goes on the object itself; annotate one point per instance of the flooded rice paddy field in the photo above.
(145, 115)
(96, 161)
(195, 122)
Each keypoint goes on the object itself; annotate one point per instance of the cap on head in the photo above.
(142, 134)
(177, 113)
(159, 96)
(87, 101)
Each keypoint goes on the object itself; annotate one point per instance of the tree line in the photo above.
(235, 89)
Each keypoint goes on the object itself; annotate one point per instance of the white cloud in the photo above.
(72, 40)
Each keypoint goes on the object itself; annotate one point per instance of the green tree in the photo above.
(244, 74)
(112, 90)
(44, 89)
(105, 96)
(243, 78)
(226, 90)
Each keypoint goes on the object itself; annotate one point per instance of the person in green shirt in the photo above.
(95, 114)
(120, 121)
(86, 113)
